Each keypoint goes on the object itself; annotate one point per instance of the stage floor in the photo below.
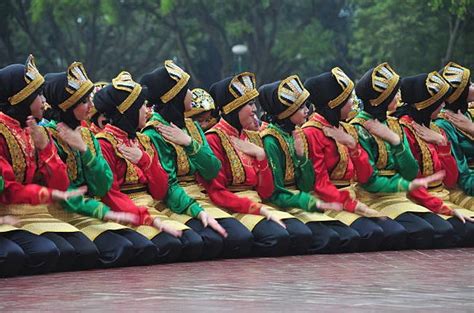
(428, 280)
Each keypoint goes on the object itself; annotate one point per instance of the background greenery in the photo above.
(306, 37)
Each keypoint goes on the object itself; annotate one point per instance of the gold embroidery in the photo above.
(71, 161)
(17, 152)
(341, 167)
(254, 137)
(87, 137)
(382, 154)
(131, 177)
(426, 158)
(236, 165)
(289, 166)
(193, 130)
(182, 161)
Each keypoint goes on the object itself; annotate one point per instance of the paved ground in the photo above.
(434, 281)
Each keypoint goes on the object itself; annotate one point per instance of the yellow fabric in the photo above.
(37, 219)
(6, 228)
(346, 217)
(389, 204)
(146, 200)
(90, 226)
(458, 197)
(445, 195)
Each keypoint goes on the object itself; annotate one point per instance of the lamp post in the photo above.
(239, 51)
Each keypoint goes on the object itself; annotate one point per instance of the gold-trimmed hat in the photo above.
(78, 85)
(347, 86)
(243, 88)
(292, 94)
(457, 77)
(384, 81)
(177, 74)
(33, 80)
(124, 82)
(201, 102)
(424, 90)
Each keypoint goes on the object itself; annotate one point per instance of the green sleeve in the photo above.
(97, 172)
(376, 182)
(202, 157)
(86, 206)
(176, 199)
(2, 184)
(466, 175)
(304, 174)
(406, 163)
(281, 196)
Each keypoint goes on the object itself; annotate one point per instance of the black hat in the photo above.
(19, 86)
(121, 102)
(165, 83)
(19, 82)
(459, 79)
(167, 88)
(265, 99)
(232, 93)
(329, 92)
(424, 93)
(64, 91)
(377, 88)
(290, 96)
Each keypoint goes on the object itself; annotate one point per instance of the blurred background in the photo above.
(214, 39)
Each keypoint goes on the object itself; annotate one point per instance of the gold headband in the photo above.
(346, 84)
(124, 82)
(78, 84)
(291, 93)
(437, 87)
(458, 77)
(33, 79)
(242, 87)
(384, 80)
(177, 74)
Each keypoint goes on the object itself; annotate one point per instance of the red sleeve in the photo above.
(114, 198)
(360, 158)
(157, 178)
(422, 196)
(15, 192)
(217, 187)
(323, 187)
(265, 186)
(448, 162)
(52, 168)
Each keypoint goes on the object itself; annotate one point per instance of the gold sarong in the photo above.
(389, 204)
(36, 219)
(459, 197)
(92, 227)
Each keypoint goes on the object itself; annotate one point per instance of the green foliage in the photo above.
(283, 37)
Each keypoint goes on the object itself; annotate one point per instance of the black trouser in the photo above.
(464, 232)
(41, 253)
(114, 249)
(324, 238)
(12, 257)
(239, 240)
(213, 242)
(444, 234)
(76, 251)
(394, 234)
(188, 247)
(420, 232)
(380, 234)
(371, 234)
(300, 236)
(144, 251)
(349, 239)
(270, 239)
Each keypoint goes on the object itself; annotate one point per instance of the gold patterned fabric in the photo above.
(156, 209)
(389, 204)
(36, 219)
(90, 226)
(458, 197)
